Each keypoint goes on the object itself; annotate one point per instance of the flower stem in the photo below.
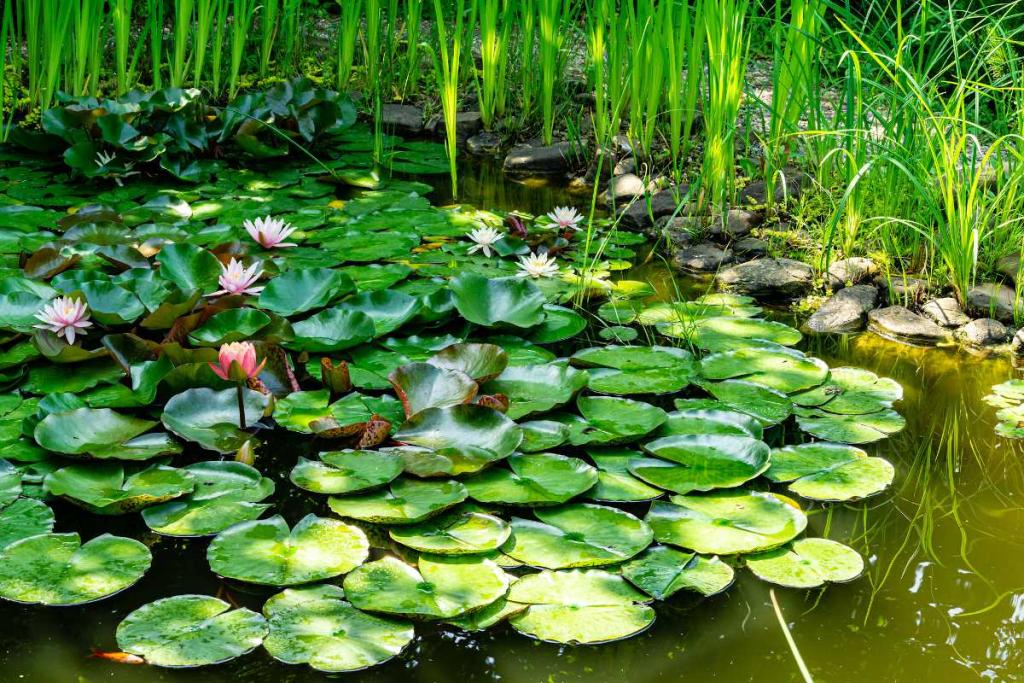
(241, 408)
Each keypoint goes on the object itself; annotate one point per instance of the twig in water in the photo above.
(789, 639)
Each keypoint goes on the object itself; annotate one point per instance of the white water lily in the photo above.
(102, 158)
(537, 265)
(269, 232)
(238, 280)
(566, 217)
(485, 239)
(65, 317)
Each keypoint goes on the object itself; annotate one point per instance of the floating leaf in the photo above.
(460, 532)
(830, 471)
(534, 479)
(852, 391)
(856, 429)
(784, 370)
(331, 330)
(615, 484)
(767, 405)
(423, 385)
(701, 462)
(542, 435)
(807, 563)
(340, 472)
(492, 301)
(481, 362)
(471, 435)
(304, 289)
(661, 572)
(101, 433)
(536, 388)
(637, 369)
(617, 420)
(711, 421)
(232, 325)
(406, 501)
(210, 418)
(23, 518)
(106, 488)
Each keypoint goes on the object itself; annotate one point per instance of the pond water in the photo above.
(942, 597)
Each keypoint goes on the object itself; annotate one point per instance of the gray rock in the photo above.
(624, 166)
(993, 300)
(1009, 266)
(853, 270)
(756, 194)
(404, 119)
(623, 147)
(702, 258)
(903, 289)
(844, 312)
(640, 216)
(768, 278)
(982, 332)
(750, 248)
(484, 144)
(557, 159)
(901, 324)
(1017, 344)
(625, 187)
(467, 124)
(945, 312)
(738, 223)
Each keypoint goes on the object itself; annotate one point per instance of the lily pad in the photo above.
(189, 631)
(577, 535)
(101, 433)
(615, 484)
(225, 493)
(726, 522)
(440, 587)
(332, 330)
(770, 406)
(232, 325)
(481, 362)
(315, 626)
(406, 501)
(624, 370)
(306, 289)
(785, 370)
(472, 434)
(460, 532)
(107, 489)
(340, 472)
(855, 429)
(266, 552)
(23, 518)
(495, 301)
(537, 388)
(542, 435)
(852, 391)
(661, 572)
(807, 563)
(830, 471)
(701, 462)
(711, 421)
(58, 569)
(618, 420)
(210, 418)
(534, 479)
(422, 385)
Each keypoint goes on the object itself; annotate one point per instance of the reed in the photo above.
(88, 23)
(206, 15)
(184, 21)
(552, 17)
(495, 17)
(526, 19)
(242, 15)
(155, 31)
(413, 17)
(348, 37)
(269, 11)
(121, 24)
(447, 63)
(291, 33)
(219, 36)
(684, 45)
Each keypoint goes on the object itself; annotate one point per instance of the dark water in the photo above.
(942, 598)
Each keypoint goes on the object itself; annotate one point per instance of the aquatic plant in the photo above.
(66, 317)
(269, 232)
(237, 280)
(565, 217)
(484, 239)
(537, 265)
(447, 63)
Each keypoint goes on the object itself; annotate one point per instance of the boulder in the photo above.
(993, 300)
(903, 289)
(756, 193)
(853, 271)
(845, 311)
(750, 248)
(982, 332)
(557, 159)
(484, 144)
(945, 312)
(901, 324)
(403, 119)
(768, 278)
(738, 223)
(643, 214)
(1009, 266)
(624, 188)
(702, 258)
(1017, 344)
(467, 124)
(624, 166)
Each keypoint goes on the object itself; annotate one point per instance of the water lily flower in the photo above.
(537, 265)
(269, 232)
(566, 217)
(485, 239)
(65, 317)
(237, 362)
(103, 158)
(237, 279)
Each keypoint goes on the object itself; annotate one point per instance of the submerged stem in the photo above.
(789, 639)
(241, 407)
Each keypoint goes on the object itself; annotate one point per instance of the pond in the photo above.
(942, 595)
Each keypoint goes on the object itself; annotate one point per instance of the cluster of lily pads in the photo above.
(1008, 398)
(473, 450)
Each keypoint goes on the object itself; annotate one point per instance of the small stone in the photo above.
(404, 119)
(622, 145)
(702, 258)
(625, 187)
(982, 332)
(945, 312)
(844, 312)
(994, 300)
(853, 270)
(750, 248)
(1017, 344)
(738, 223)
(484, 144)
(640, 215)
(903, 325)
(903, 289)
(768, 278)
(557, 159)
(1009, 266)
(627, 165)
(787, 187)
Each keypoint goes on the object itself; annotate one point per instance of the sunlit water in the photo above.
(942, 598)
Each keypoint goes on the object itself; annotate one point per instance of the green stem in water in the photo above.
(241, 407)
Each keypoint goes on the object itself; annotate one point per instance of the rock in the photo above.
(982, 332)
(768, 278)
(901, 324)
(844, 312)
(627, 165)
(750, 248)
(738, 223)
(903, 289)
(945, 312)
(484, 144)
(467, 124)
(853, 270)
(624, 188)
(622, 145)
(755, 194)
(1017, 344)
(640, 216)
(404, 119)
(993, 300)
(1009, 266)
(557, 159)
(702, 258)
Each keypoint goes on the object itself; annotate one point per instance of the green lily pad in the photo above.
(332, 330)
(481, 362)
(488, 617)
(232, 325)
(340, 472)
(726, 333)
(726, 522)
(101, 433)
(807, 563)
(534, 479)
(58, 569)
(189, 267)
(10, 482)
(711, 421)
(624, 370)
(615, 484)
(22, 518)
(495, 301)
(542, 435)
(460, 532)
(661, 572)
(852, 391)
(855, 429)
(315, 626)
(440, 587)
(577, 535)
(268, 553)
(471, 435)
(536, 388)
(106, 488)
(189, 631)
(785, 370)
(388, 309)
(225, 493)
(767, 405)
(210, 418)
(701, 462)
(830, 471)
(301, 290)
(579, 607)
(559, 324)
(422, 385)
(406, 501)
(617, 420)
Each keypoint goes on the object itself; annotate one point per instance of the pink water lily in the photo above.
(65, 317)
(236, 362)
(236, 279)
(566, 217)
(269, 232)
